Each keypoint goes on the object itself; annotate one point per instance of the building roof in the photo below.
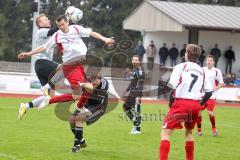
(188, 15)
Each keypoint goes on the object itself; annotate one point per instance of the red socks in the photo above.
(189, 147)
(165, 147)
(164, 150)
(212, 119)
(68, 97)
(61, 98)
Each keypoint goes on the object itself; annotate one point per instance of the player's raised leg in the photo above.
(26, 106)
(57, 77)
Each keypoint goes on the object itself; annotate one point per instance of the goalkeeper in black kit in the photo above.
(132, 104)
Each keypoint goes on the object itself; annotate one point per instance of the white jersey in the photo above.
(41, 39)
(189, 80)
(215, 77)
(70, 43)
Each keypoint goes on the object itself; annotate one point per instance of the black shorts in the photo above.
(97, 110)
(45, 69)
(130, 101)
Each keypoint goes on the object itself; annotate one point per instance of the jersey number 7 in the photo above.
(195, 77)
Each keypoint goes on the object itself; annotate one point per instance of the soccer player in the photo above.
(44, 66)
(68, 38)
(132, 104)
(216, 79)
(96, 104)
(187, 81)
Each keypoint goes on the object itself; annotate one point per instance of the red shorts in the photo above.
(209, 105)
(74, 74)
(182, 111)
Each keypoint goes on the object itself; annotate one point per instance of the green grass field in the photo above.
(42, 136)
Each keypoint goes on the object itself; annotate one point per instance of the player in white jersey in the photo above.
(68, 38)
(216, 79)
(44, 66)
(187, 82)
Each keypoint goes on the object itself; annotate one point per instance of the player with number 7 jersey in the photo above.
(188, 80)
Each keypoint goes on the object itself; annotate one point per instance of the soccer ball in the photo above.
(74, 14)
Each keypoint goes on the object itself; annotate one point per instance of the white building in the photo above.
(188, 23)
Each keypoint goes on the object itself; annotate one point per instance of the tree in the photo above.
(106, 17)
(103, 16)
(15, 26)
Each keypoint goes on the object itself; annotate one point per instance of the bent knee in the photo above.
(165, 134)
(210, 113)
(80, 117)
(75, 97)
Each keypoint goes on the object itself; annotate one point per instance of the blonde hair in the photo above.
(38, 19)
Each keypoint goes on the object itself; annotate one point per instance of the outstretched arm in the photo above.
(27, 54)
(108, 41)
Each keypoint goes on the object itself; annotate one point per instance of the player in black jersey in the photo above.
(132, 105)
(96, 106)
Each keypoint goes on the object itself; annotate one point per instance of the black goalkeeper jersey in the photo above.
(137, 81)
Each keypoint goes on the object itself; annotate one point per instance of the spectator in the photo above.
(139, 50)
(230, 56)
(229, 79)
(163, 53)
(202, 56)
(151, 52)
(182, 52)
(173, 53)
(216, 52)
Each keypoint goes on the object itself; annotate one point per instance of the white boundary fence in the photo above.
(27, 83)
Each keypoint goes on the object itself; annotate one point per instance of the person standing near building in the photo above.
(173, 53)
(216, 52)
(202, 56)
(182, 53)
(139, 50)
(151, 52)
(230, 57)
(163, 54)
